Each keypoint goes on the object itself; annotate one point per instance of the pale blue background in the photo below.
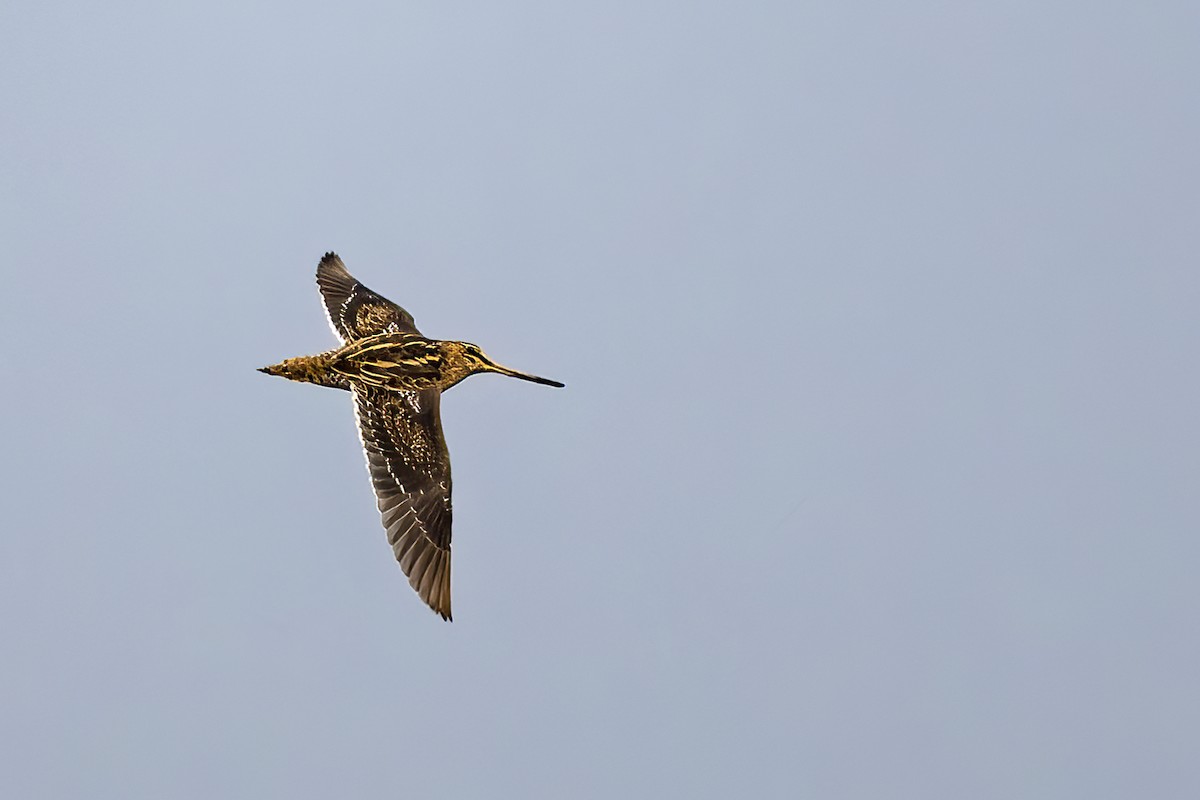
(876, 471)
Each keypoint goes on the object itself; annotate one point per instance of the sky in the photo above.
(875, 473)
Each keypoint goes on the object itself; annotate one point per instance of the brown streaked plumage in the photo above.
(397, 376)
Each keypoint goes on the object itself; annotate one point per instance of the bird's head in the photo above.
(479, 362)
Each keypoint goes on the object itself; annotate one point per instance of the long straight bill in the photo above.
(512, 373)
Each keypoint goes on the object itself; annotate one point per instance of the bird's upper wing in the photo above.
(410, 470)
(354, 310)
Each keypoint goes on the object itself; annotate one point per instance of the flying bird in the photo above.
(397, 377)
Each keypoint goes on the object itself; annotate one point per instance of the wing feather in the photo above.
(353, 310)
(410, 472)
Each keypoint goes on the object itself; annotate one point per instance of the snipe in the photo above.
(396, 376)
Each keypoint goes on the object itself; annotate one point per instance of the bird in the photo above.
(396, 377)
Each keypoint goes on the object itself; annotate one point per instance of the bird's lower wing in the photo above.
(410, 471)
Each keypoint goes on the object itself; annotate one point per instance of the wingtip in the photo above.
(439, 610)
(331, 262)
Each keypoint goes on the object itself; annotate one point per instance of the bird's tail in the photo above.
(308, 369)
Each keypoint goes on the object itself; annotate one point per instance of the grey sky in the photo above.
(875, 474)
